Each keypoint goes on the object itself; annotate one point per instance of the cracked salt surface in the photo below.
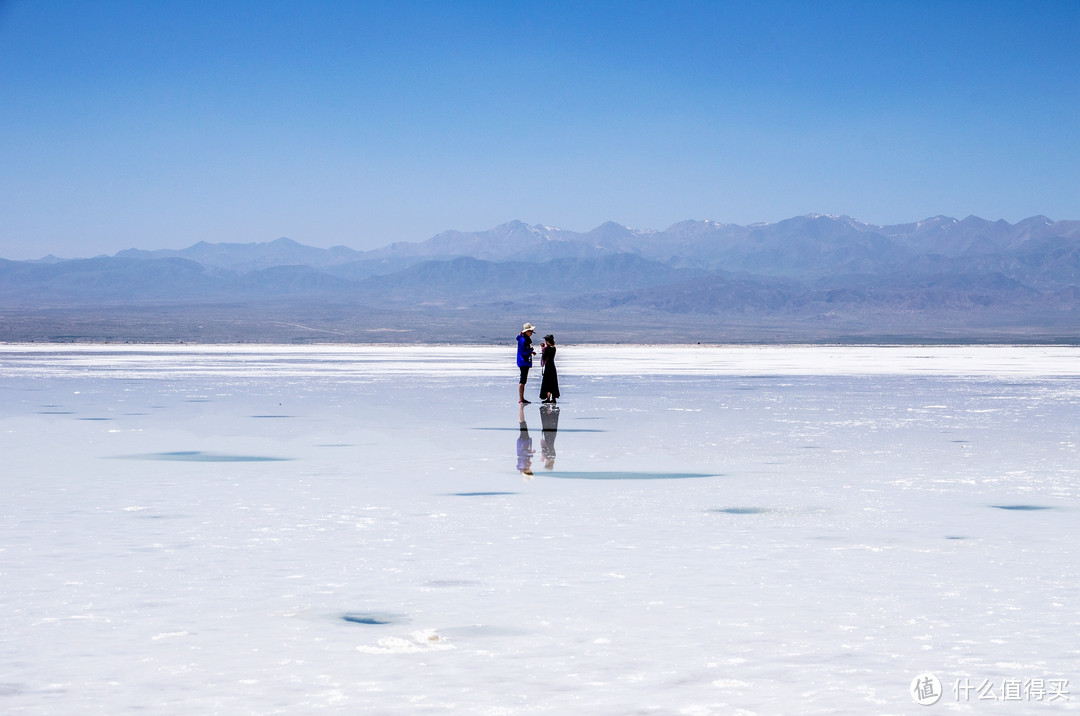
(238, 565)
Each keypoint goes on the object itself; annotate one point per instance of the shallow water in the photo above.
(255, 530)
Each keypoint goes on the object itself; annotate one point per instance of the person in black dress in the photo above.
(549, 383)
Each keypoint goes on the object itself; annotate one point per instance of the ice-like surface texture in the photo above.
(693, 530)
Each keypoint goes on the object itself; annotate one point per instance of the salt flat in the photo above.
(705, 530)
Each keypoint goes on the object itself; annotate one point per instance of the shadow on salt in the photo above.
(199, 456)
(630, 475)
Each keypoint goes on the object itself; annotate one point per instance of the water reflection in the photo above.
(549, 422)
(525, 450)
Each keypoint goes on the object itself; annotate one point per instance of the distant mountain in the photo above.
(252, 257)
(812, 277)
(471, 280)
(85, 281)
(499, 244)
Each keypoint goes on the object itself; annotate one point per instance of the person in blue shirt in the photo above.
(524, 359)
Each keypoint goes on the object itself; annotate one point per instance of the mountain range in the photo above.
(808, 278)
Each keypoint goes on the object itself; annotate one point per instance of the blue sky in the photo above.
(160, 124)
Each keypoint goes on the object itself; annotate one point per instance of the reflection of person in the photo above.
(524, 359)
(549, 420)
(524, 446)
(549, 383)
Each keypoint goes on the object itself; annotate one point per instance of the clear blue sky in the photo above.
(156, 124)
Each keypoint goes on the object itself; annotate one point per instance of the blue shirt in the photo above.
(525, 351)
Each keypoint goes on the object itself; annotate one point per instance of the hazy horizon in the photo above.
(501, 224)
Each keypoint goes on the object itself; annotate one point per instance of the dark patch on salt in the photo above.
(480, 494)
(372, 618)
(198, 456)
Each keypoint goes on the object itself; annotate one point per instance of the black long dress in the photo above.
(550, 381)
